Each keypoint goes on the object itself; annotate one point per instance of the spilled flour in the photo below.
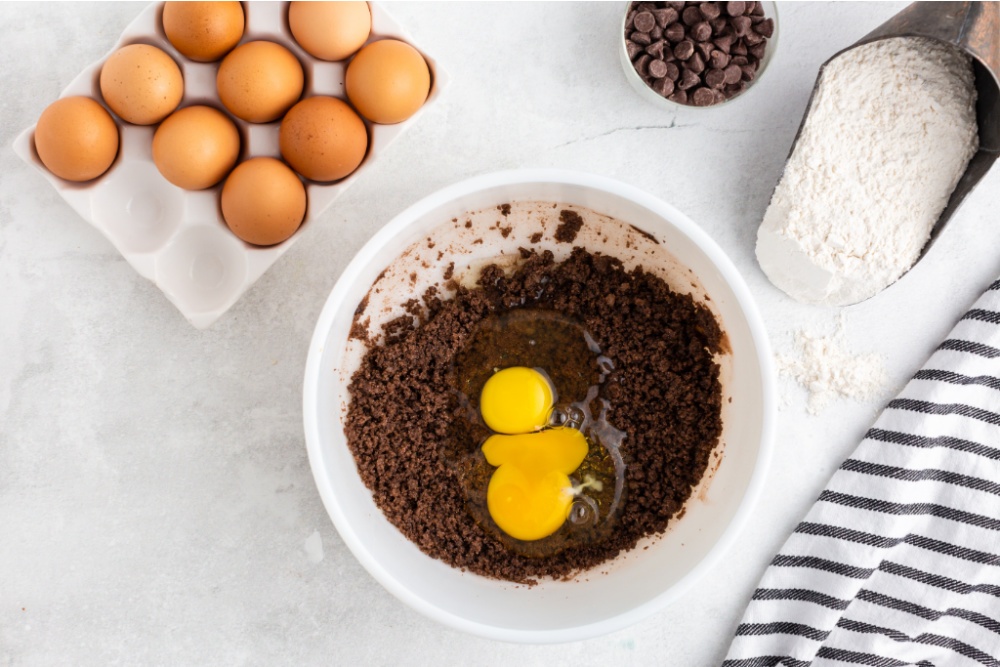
(827, 369)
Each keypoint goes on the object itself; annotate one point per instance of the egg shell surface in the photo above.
(76, 138)
(330, 30)
(195, 147)
(263, 201)
(388, 81)
(204, 31)
(259, 81)
(142, 84)
(323, 139)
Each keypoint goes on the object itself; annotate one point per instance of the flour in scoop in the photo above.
(891, 130)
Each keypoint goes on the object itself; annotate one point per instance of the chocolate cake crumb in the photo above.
(359, 330)
(404, 419)
(468, 224)
(536, 237)
(505, 231)
(504, 209)
(449, 271)
(570, 223)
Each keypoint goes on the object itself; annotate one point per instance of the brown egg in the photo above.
(259, 81)
(195, 147)
(263, 201)
(142, 84)
(330, 30)
(76, 139)
(323, 139)
(388, 81)
(203, 31)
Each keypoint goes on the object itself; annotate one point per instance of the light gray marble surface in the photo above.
(156, 504)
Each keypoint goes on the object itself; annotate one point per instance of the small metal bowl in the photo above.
(651, 96)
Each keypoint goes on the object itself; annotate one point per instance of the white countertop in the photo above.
(156, 504)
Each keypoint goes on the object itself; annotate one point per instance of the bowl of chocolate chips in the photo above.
(538, 405)
(700, 54)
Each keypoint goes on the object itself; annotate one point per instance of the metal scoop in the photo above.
(973, 27)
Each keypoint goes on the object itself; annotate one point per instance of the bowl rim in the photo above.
(335, 301)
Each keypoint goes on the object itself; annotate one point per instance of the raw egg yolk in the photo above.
(530, 493)
(516, 400)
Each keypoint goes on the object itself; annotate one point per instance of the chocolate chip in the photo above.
(735, 8)
(718, 25)
(715, 78)
(765, 28)
(741, 24)
(701, 31)
(684, 50)
(673, 72)
(646, 6)
(632, 49)
(719, 59)
(689, 80)
(736, 88)
(750, 7)
(664, 87)
(679, 6)
(674, 33)
(702, 97)
(665, 17)
(691, 15)
(630, 20)
(710, 10)
(733, 73)
(705, 49)
(758, 9)
(657, 69)
(738, 49)
(724, 42)
(695, 64)
(752, 38)
(641, 63)
(656, 49)
(739, 60)
(679, 96)
(644, 21)
(757, 50)
(642, 38)
(749, 72)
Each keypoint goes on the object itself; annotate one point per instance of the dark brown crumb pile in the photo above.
(570, 224)
(664, 393)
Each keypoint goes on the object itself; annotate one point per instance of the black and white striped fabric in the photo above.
(898, 562)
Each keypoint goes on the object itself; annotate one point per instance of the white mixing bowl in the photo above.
(635, 584)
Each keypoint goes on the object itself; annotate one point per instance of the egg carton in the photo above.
(177, 238)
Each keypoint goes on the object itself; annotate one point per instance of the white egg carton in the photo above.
(177, 238)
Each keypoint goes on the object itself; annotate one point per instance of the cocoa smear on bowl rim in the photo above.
(665, 393)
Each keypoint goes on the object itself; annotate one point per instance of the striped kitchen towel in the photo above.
(898, 562)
